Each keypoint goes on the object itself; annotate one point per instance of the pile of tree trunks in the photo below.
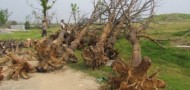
(7, 46)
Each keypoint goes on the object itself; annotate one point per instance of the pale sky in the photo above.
(20, 9)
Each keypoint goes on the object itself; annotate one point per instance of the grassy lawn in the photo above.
(174, 62)
(20, 35)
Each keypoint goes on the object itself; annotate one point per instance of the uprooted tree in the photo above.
(139, 15)
(97, 55)
(53, 51)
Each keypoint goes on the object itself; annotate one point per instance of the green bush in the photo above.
(13, 23)
(3, 16)
(27, 25)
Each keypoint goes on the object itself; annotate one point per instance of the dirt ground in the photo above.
(66, 79)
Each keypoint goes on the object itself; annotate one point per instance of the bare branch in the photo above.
(151, 39)
(31, 5)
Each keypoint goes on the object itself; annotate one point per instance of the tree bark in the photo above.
(20, 67)
(95, 56)
(76, 42)
(49, 53)
(136, 49)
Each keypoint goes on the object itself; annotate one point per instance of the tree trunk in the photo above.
(136, 49)
(95, 56)
(50, 53)
(76, 42)
(103, 37)
(136, 53)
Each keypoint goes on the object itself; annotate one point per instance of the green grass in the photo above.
(172, 17)
(181, 33)
(23, 35)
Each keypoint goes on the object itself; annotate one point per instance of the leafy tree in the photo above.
(75, 11)
(4, 14)
(45, 6)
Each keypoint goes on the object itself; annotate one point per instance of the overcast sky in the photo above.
(20, 8)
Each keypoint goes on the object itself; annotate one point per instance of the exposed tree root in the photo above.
(20, 67)
(128, 78)
(49, 56)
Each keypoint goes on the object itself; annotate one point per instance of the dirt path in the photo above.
(66, 79)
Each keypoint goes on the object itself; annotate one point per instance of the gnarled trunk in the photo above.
(76, 42)
(95, 56)
(50, 53)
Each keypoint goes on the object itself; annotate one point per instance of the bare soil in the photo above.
(66, 79)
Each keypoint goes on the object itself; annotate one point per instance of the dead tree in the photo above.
(133, 76)
(95, 56)
(139, 15)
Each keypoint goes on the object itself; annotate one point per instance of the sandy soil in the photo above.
(67, 79)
